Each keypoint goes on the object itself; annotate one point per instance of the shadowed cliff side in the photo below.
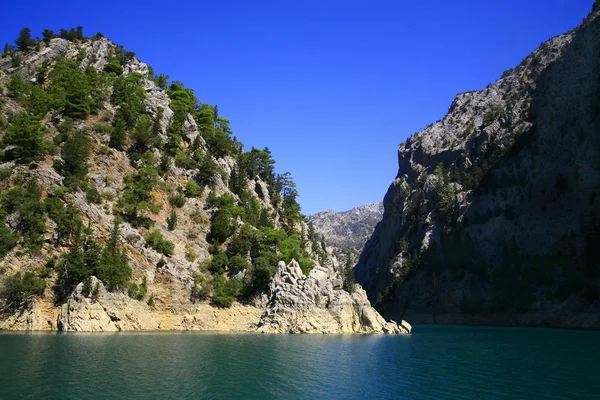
(494, 217)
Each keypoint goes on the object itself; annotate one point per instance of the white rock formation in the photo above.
(317, 303)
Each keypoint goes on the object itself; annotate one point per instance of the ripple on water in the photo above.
(433, 363)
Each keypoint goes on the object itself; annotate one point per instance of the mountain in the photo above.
(128, 204)
(347, 231)
(494, 215)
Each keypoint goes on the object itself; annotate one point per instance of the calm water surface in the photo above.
(433, 363)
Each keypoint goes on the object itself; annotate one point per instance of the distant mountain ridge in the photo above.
(347, 231)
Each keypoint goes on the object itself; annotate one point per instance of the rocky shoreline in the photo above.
(297, 304)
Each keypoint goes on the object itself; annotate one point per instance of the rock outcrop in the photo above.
(317, 303)
(493, 216)
(111, 312)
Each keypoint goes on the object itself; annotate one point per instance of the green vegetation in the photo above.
(137, 198)
(177, 199)
(8, 238)
(202, 287)
(222, 226)
(70, 90)
(156, 240)
(128, 94)
(24, 41)
(445, 200)
(75, 152)
(227, 291)
(494, 114)
(238, 263)
(172, 220)
(255, 239)
(150, 301)
(26, 134)
(349, 277)
(137, 292)
(16, 291)
(68, 223)
(62, 103)
(118, 134)
(30, 219)
(92, 195)
(190, 254)
(208, 171)
(17, 88)
(218, 263)
(142, 136)
(193, 189)
(113, 66)
(88, 258)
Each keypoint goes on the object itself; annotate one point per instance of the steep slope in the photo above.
(128, 204)
(347, 231)
(494, 216)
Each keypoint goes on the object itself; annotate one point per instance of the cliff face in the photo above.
(494, 215)
(347, 231)
(127, 204)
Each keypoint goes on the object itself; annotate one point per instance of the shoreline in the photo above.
(547, 319)
(4, 331)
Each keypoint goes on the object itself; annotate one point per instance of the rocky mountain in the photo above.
(493, 217)
(347, 231)
(127, 204)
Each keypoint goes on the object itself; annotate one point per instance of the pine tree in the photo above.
(27, 135)
(172, 220)
(349, 277)
(142, 135)
(48, 34)
(113, 268)
(77, 95)
(24, 41)
(265, 220)
(118, 135)
(75, 152)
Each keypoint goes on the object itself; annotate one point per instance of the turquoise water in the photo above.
(435, 362)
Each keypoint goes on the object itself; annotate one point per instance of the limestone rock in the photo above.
(33, 60)
(499, 182)
(157, 99)
(261, 190)
(97, 54)
(311, 304)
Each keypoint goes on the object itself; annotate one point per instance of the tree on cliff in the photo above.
(24, 41)
(27, 135)
(349, 277)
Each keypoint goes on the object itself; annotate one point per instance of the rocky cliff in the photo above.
(347, 231)
(494, 216)
(128, 204)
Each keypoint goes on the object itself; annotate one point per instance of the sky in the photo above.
(331, 87)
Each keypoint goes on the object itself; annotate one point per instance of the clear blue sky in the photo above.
(331, 87)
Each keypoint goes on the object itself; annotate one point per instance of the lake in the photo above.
(435, 362)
